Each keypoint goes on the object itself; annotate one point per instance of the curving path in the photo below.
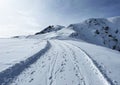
(62, 64)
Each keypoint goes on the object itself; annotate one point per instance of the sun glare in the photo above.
(4, 4)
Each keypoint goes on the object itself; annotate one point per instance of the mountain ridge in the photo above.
(100, 31)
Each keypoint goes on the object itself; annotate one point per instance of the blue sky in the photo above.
(22, 17)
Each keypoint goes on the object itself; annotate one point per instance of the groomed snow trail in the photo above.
(62, 64)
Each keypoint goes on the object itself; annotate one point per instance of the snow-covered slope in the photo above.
(105, 32)
(14, 51)
(100, 31)
(60, 62)
(58, 55)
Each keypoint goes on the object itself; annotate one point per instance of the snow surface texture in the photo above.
(61, 56)
(65, 62)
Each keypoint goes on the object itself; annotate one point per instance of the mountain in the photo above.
(58, 55)
(104, 32)
(99, 31)
(50, 29)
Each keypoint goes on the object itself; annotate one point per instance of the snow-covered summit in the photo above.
(98, 31)
(114, 19)
(50, 29)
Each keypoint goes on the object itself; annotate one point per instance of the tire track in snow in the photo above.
(8, 75)
(46, 74)
(42, 70)
(76, 67)
(63, 56)
(68, 57)
(96, 66)
(52, 69)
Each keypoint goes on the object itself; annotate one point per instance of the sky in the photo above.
(24, 17)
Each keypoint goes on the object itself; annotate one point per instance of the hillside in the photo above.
(99, 31)
(80, 54)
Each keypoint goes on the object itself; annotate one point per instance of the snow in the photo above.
(107, 59)
(68, 62)
(15, 50)
(50, 29)
(98, 31)
(58, 55)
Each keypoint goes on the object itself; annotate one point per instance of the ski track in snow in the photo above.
(59, 63)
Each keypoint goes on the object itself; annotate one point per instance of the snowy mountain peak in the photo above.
(50, 28)
(115, 20)
(99, 31)
(96, 21)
